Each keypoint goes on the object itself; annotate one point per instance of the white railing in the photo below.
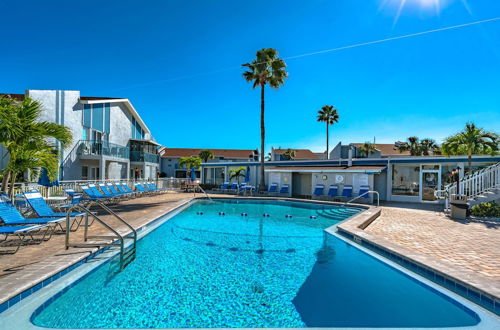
(472, 185)
(162, 183)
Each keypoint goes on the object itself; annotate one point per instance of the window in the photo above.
(107, 115)
(137, 131)
(97, 117)
(405, 180)
(86, 115)
(97, 114)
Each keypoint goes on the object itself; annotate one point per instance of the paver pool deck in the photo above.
(469, 246)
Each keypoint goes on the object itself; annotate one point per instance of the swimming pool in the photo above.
(251, 263)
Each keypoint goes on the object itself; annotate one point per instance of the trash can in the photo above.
(459, 206)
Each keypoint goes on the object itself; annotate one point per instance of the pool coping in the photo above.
(58, 284)
(464, 282)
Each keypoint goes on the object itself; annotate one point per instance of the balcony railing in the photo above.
(102, 148)
(140, 156)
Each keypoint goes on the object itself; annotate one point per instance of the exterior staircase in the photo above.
(478, 187)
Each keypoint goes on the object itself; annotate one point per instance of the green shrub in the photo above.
(489, 210)
(205, 186)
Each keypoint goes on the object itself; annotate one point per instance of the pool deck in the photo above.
(465, 250)
(468, 251)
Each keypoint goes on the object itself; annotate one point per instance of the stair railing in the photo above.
(472, 185)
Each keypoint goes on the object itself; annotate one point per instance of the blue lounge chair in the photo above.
(155, 188)
(22, 232)
(106, 192)
(113, 190)
(284, 189)
(93, 194)
(127, 189)
(318, 190)
(333, 191)
(347, 191)
(233, 187)
(363, 191)
(11, 216)
(273, 188)
(224, 186)
(140, 188)
(38, 204)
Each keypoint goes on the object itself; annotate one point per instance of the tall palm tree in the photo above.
(367, 149)
(266, 69)
(25, 133)
(328, 114)
(205, 155)
(289, 154)
(471, 141)
(237, 173)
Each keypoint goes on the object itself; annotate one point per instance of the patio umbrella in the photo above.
(45, 181)
(247, 174)
(193, 175)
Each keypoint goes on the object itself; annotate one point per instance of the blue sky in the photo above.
(179, 64)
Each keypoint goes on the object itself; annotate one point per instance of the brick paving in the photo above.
(468, 244)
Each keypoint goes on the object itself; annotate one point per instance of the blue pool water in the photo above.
(230, 270)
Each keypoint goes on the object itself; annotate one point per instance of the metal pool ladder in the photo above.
(127, 252)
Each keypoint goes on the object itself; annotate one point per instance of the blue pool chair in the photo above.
(347, 191)
(318, 190)
(92, 194)
(273, 188)
(113, 190)
(140, 188)
(333, 191)
(11, 216)
(155, 188)
(224, 186)
(105, 190)
(233, 187)
(284, 189)
(127, 189)
(38, 204)
(363, 190)
(23, 233)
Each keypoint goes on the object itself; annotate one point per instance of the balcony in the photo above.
(102, 148)
(141, 156)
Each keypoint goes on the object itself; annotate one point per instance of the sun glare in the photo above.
(431, 6)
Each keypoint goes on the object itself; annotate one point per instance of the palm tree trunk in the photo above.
(327, 146)
(5, 181)
(469, 159)
(11, 188)
(262, 185)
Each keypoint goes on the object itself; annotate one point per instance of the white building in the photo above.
(110, 139)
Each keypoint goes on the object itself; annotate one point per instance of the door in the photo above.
(430, 182)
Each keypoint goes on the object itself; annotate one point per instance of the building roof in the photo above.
(17, 97)
(92, 98)
(359, 168)
(299, 153)
(226, 153)
(386, 149)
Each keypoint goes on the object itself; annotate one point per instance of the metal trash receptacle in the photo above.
(459, 206)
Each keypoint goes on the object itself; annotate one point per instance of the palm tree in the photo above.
(267, 68)
(328, 114)
(471, 141)
(237, 173)
(412, 144)
(205, 155)
(367, 149)
(30, 142)
(428, 147)
(190, 162)
(289, 154)
(269, 156)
